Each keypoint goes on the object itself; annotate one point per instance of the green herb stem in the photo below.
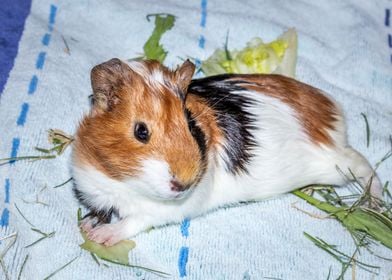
(62, 184)
(367, 129)
(61, 268)
(20, 212)
(22, 267)
(8, 160)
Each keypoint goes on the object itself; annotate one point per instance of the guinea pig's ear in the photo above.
(106, 80)
(184, 74)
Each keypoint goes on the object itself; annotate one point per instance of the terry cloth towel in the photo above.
(345, 49)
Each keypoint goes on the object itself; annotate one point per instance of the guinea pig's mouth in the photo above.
(174, 195)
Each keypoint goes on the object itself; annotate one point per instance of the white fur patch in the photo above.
(154, 78)
(154, 180)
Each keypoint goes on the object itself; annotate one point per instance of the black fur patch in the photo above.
(197, 134)
(103, 216)
(233, 117)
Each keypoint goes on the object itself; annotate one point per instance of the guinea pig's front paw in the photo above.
(107, 234)
(110, 234)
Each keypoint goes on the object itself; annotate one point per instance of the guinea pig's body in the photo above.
(158, 148)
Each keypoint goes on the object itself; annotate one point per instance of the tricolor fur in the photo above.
(212, 142)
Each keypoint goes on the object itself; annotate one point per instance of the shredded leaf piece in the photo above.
(152, 48)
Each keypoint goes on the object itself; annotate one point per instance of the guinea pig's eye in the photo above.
(141, 132)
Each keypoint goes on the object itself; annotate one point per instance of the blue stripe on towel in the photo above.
(23, 114)
(202, 41)
(387, 17)
(203, 13)
(52, 16)
(185, 227)
(182, 261)
(13, 14)
(7, 191)
(15, 148)
(46, 39)
(33, 84)
(40, 60)
(5, 217)
(184, 250)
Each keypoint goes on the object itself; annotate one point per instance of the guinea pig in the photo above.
(158, 147)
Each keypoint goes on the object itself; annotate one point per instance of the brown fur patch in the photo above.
(206, 118)
(105, 139)
(316, 112)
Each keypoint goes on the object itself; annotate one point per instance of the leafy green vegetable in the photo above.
(277, 57)
(152, 48)
(117, 253)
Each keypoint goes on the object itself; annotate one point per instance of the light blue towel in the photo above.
(345, 48)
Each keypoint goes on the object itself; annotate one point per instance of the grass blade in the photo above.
(12, 159)
(226, 47)
(367, 129)
(20, 212)
(95, 258)
(3, 253)
(160, 273)
(61, 268)
(46, 235)
(22, 267)
(62, 184)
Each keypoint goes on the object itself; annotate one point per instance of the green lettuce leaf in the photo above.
(152, 48)
(277, 57)
(117, 253)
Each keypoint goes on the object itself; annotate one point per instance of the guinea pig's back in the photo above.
(278, 134)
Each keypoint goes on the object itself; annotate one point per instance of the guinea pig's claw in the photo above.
(87, 224)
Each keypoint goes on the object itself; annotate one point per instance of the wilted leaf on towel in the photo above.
(279, 57)
(152, 48)
(117, 253)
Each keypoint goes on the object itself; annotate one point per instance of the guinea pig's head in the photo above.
(139, 131)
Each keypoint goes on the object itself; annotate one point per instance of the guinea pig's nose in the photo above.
(177, 186)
